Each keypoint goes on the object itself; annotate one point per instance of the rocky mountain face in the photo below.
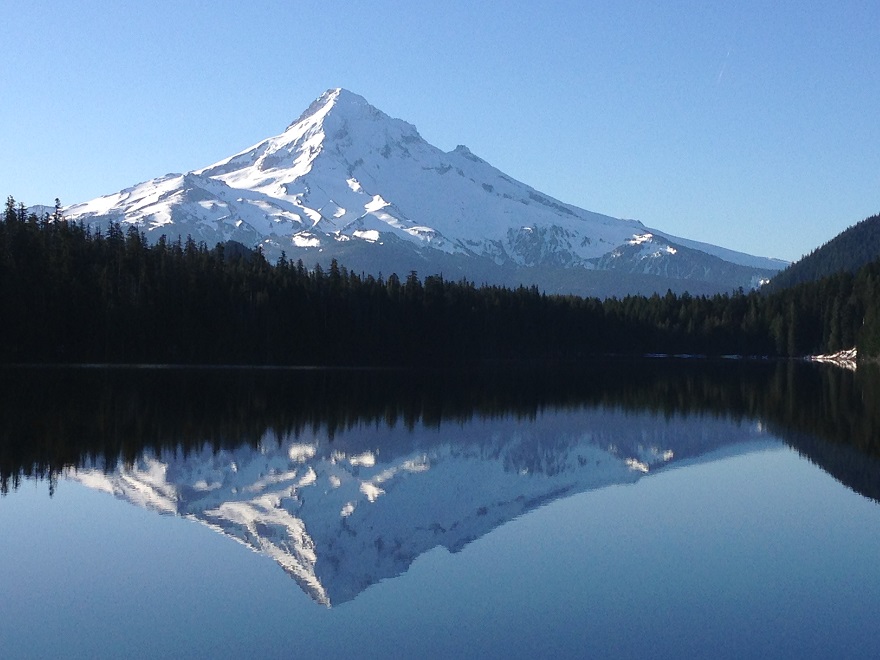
(347, 181)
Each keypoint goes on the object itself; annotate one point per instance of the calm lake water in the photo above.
(623, 509)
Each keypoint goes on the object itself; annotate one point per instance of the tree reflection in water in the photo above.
(52, 419)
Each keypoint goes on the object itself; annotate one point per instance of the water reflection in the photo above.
(345, 477)
(340, 520)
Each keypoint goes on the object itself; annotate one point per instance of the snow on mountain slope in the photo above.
(340, 516)
(655, 254)
(396, 182)
(345, 177)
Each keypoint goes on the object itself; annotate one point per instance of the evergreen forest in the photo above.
(69, 294)
(851, 249)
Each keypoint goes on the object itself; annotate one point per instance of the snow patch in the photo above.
(372, 491)
(637, 465)
(375, 204)
(309, 478)
(305, 240)
(638, 239)
(367, 459)
(300, 453)
(369, 235)
(848, 359)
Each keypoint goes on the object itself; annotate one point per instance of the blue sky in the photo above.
(752, 125)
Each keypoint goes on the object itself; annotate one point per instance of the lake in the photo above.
(623, 508)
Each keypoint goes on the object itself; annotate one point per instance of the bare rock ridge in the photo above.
(347, 181)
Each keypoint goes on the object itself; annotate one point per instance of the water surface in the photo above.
(658, 509)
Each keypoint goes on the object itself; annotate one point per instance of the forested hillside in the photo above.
(72, 296)
(847, 252)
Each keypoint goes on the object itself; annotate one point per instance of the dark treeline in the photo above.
(853, 248)
(70, 295)
(56, 418)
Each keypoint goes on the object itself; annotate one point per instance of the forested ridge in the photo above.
(851, 249)
(71, 295)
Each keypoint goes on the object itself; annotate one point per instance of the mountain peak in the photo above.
(335, 98)
(463, 151)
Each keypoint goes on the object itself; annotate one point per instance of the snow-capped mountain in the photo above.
(340, 515)
(347, 181)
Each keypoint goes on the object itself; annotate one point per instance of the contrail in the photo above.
(723, 66)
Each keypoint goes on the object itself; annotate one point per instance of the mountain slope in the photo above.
(847, 252)
(347, 181)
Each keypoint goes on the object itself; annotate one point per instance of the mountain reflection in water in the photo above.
(344, 478)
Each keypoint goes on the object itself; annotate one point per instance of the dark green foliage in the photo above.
(68, 295)
(847, 252)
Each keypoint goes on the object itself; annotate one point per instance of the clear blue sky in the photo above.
(752, 125)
